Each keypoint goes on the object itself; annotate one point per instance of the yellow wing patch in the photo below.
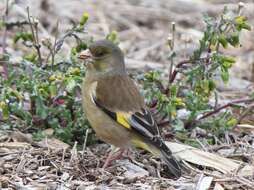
(121, 118)
(140, 144)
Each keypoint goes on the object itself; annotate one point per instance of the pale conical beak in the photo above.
(84, 55)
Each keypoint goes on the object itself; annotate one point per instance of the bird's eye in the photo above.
(99, 54)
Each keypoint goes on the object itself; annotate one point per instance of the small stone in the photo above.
(65, 176)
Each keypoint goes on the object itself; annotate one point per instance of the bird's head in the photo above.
(104, 57)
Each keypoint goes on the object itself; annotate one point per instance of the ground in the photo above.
(143, 27)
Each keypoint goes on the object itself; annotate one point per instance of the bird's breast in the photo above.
(105, 128)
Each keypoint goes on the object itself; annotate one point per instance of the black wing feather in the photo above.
(142, 122)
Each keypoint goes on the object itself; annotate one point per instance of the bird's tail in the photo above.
(170, 160)
(158, 148)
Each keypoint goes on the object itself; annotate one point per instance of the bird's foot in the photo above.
(114, 156)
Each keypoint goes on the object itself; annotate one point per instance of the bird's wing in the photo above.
(124, 104)
(141, 121)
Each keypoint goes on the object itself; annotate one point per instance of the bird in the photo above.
(114, 106)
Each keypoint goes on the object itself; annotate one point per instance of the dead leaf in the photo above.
(15, 145)
(244, 128)
(21, 137)
(132, 170)
(53, 144)
(48, 132)
(204, 183)
(218, 187)
(202, 158)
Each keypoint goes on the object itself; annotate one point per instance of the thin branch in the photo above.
(4, 44)
(232, 103)
(171, 42)
(10, 25)
(179, 65)
(5, 30)
(245, 113)
(53, 49)
(184, 62)
(85, 142)
(61, 40)
(34, 30)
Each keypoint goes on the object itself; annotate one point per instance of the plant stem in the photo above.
(53, 51)
(225, 106)
(171, 45)
(179, 65)
(232, 103)
(10, 25)
(34, 30)
(5, 69)
(245, 113)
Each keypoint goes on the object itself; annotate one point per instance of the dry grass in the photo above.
(143, 27)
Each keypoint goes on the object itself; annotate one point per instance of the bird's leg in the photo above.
(108, 159)
(111, 157)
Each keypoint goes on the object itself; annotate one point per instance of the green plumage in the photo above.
(115, 108)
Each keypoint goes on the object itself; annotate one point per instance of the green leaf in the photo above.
(224, 75)
(54, 123)
(15, 94)
(5, 112)
(208, 20)
(227, 62)
(4, 57)
(113, 37)
(71, 84)
(240, 19)
(223, 41)
(84, 19)
(212, 85)
(20, 112)
(41, 109)
(53, 90)
(228, 59)
(252, 95)
(246, 26)
(152, 76)
(173, 90)
(178, 125)
(2, 24)
(37, 136)
(231, 122)
(213, 38)
(25, 36)
(80, 47)
(32, 57)
(233, 39)
(74, 51)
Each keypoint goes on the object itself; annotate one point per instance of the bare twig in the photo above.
(181, 64)
(232, 103)
(34, 30)
(5, 69)
(171, 42)
(245, 113)
(85, 141)
(10, 25)
(5, 30)
(53, 49)
(70, 33)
